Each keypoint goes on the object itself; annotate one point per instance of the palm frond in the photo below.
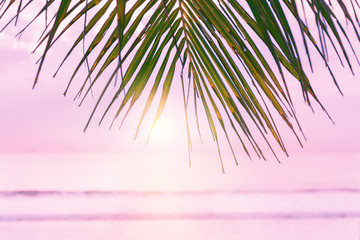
(237, 56)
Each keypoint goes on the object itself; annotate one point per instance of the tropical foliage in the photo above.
(233, 58)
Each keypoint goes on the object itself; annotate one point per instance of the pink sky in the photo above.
(43, 121)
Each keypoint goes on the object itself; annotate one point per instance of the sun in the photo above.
(162, 133)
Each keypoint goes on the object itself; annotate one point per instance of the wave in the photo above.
(36, 193)
(37, 205)
(179, 216)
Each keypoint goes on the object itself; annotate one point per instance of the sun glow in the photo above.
(163, 132)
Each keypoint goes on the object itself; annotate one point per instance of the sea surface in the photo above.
(210, 214)
(115, 197)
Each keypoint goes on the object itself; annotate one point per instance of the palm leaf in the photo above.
(236, 56)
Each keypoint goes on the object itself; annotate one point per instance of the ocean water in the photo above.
(210, 214)
(109, 197)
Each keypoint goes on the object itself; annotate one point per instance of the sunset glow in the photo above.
(162, 133)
